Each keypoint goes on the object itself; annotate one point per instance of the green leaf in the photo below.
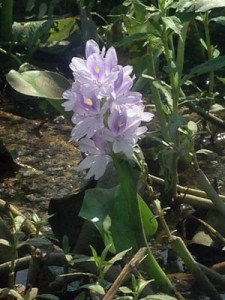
(206, 67)
(119, 256)
(204, 151)
(206, 5)
(42, 10)
(5, 242)
(142, 284)
(220, 20)
(125, 290)
(127, 40)
(107, 210)
(43, 84)
(221, 79)
(150, 26)
(216, 108)
(173, 23)
(165, 89)
(94, 287)
(63, 29)
(158, 297)
(192, 126)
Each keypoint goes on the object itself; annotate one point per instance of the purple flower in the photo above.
(106, 113)
(97, 157)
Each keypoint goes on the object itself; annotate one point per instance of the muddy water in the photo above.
(47, 162)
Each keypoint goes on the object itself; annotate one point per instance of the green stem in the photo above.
(181, 250)
(180, 50)
(157, 99)
(128, 184)
(208, 188)
(11, 55)
(14, 254)
(6, 20)
(209, 51)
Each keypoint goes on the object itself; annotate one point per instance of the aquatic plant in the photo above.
(107, 117)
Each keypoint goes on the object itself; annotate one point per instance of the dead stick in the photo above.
(28, 227)
(129, 267)
(186, 190)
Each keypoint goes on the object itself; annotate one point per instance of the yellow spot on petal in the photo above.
(97, 69)
(120, 123)
(89, 101)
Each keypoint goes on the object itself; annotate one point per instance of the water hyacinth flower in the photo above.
(107, 115)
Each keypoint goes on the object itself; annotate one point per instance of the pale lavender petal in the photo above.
(78, 64)
(111, 60)
(124, 147)
(88, 146)
(87, 127)
(141, 130)
(83, 76)
(117, 121)
(101, 142)
(146, 116)
(96, 66)
(127, 70)
(91, 47)
(96, 165)
(71, 96)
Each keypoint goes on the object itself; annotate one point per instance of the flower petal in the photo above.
(91, 47)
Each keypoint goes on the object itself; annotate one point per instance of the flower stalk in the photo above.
(128, 184)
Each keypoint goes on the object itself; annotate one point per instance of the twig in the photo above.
(129, 267)
(208, 188)
(213, 275)
(206, 115)
(181, 250)
(28, 227)
(185, 190)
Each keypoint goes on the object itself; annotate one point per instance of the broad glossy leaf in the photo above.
(43, 84)
(63, 29)
(107, 210)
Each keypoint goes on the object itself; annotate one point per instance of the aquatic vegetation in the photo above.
(118, 206)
